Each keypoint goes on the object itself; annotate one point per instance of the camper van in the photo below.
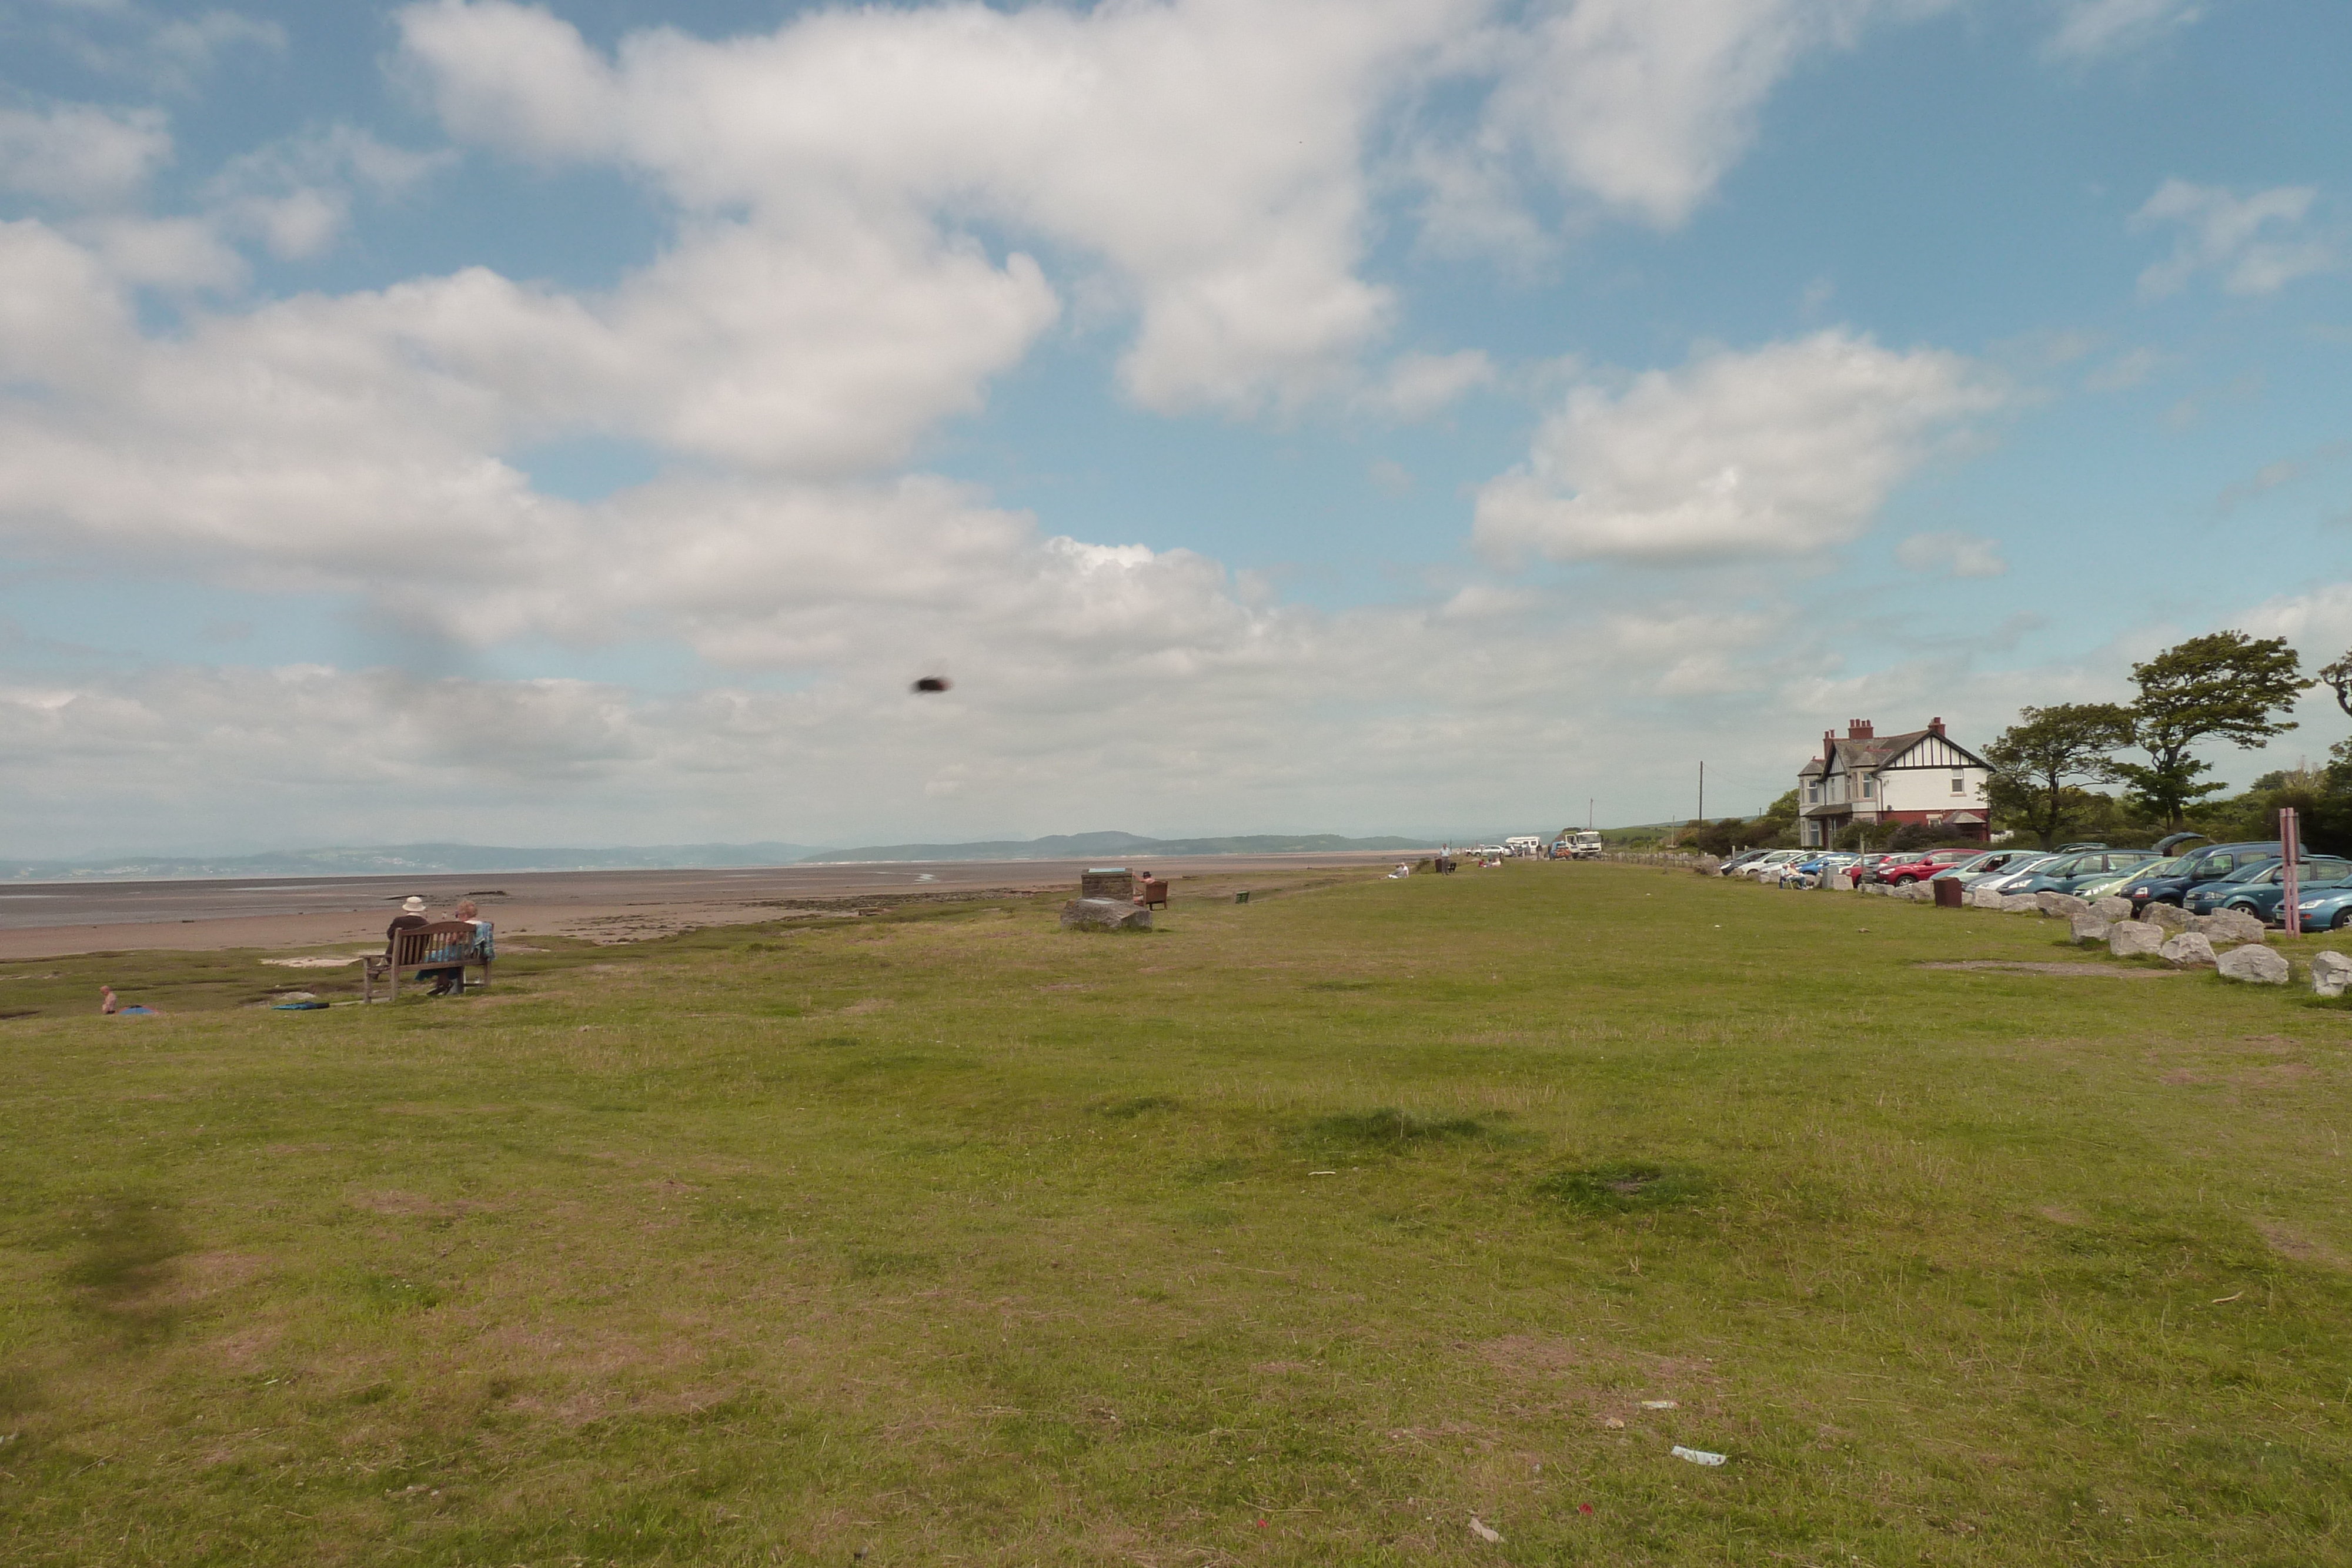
(1527, 844)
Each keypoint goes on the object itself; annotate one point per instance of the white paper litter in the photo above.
(1699, 1456)
(1482, 1533)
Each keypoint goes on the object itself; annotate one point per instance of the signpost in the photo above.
(2290, 854)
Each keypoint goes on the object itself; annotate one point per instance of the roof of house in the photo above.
(1868, 754)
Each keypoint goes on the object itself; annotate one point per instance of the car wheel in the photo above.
(2343, 918)
(1905, 880)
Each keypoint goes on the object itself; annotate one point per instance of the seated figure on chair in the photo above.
(452, 979)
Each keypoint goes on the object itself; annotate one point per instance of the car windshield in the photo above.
(2260, 871)
(2172, 866)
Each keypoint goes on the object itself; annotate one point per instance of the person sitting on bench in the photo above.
(453, 979)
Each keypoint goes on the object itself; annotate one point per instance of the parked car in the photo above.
(1992, 863)
(2207, 863)
(1820, 865)
(2258, 889)
(1731, 866)
(2327, 908)
(2065, 872)
(1771, 861)
(1903, 873)
(2016, 871)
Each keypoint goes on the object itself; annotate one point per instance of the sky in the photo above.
(579, 424)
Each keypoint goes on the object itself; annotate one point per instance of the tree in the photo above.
(2222, 686)
(2040, 762)
(2337, 678)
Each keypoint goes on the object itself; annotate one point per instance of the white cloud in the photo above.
(1418, 386)
(2254, 244)
(1644, 105)
(1207, 152)
(1786, 449)
(81, 155)
(296, 194)
(2093, 29)
(168, 53)
(1951, 555)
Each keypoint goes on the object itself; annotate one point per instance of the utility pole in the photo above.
(1702, 794)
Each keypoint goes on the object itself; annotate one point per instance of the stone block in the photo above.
(2188, 950)
(2061, 904)
(2135, 939)
(2171, 916)
(2090, 928)
(2331, 972)
(1104, 914)
(2113, 907)
(2255, 966)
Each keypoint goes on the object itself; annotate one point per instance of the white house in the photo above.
(1861, 777)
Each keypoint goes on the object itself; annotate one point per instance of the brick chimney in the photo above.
(1936, 727)
(1858, 730)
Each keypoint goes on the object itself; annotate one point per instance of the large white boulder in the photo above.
(2171, 916)
(2135, 939)
(2232, 925)
(2061, 904)
(2090, 928)
(2022, 904)
(2256, 965)
(2113, 907)
(2331, 972)
(2188, 950)
(1983, 898)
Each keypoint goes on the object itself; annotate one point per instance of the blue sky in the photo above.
(579, 423)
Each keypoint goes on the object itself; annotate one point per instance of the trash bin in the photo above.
(1948, 893)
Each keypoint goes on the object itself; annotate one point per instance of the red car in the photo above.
(1902, 873)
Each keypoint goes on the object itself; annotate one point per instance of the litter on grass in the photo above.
(1660, 1405)
(1699, 1456)
(1482, 1533)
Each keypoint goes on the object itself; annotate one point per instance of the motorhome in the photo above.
(1528, 844)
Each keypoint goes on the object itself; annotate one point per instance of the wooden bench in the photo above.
(1155, 893)
(444, 945)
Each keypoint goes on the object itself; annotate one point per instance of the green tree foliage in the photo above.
(2040, 762)
(2222, 686)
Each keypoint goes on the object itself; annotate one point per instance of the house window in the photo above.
(1812, 794)
(1869, 788)
(1959, 784)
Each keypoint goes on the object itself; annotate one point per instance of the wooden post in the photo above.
(2289, 832)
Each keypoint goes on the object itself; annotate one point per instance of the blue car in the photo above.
(2258, 887)
(2065, 872)
(2326, 908)
(2210, 863)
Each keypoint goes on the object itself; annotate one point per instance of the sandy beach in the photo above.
(54, 919)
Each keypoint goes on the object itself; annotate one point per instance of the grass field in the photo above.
(1299, 1233)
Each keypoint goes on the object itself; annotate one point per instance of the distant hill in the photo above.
(394, 860)
(1097, 846)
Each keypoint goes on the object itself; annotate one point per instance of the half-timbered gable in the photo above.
(1861, 777)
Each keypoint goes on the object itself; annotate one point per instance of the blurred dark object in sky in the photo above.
(933, 683)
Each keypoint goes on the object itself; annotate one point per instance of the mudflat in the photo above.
(49, 920)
